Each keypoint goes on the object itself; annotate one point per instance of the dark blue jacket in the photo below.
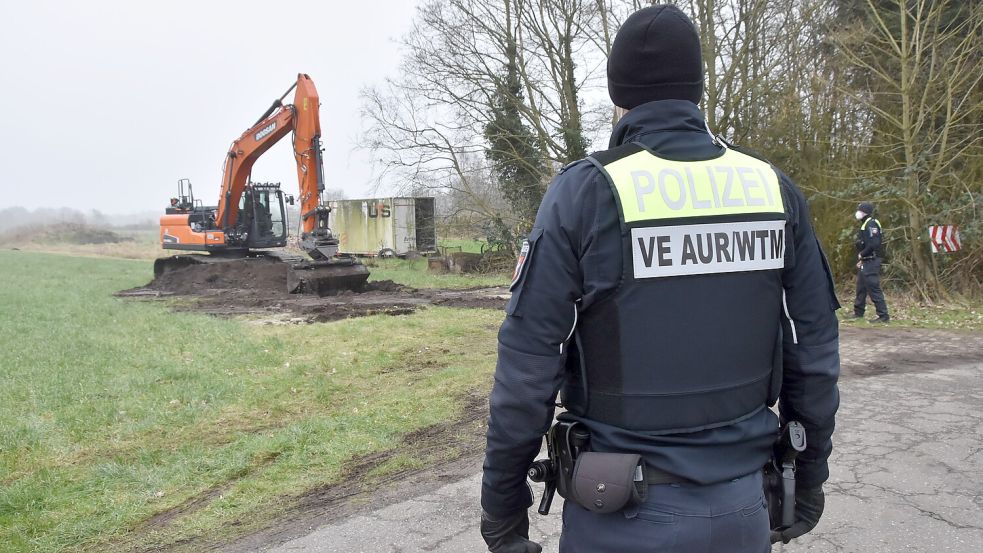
(577, 261)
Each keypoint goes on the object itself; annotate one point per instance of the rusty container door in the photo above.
(426, 225)
(404, 225)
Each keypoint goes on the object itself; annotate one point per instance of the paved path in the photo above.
(906, 472)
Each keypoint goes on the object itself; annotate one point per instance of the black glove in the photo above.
(508, 535)
(808, 509)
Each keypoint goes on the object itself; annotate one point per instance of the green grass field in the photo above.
(468, 245)
(413, 272)
(112, 411)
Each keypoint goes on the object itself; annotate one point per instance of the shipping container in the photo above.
(384, 226)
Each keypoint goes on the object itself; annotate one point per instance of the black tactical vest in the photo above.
(690, 338)
(861, 240)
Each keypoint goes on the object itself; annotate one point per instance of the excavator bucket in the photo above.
(326, 278)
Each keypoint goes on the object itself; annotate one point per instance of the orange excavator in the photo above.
(251, 217)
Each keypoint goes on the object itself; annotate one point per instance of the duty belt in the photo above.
(656, 476)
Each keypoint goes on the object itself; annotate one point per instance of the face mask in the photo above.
(859, 215)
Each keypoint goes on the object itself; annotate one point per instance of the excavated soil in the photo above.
(258, 287)
(241, 274)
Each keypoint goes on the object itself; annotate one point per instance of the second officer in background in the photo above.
(870, 239)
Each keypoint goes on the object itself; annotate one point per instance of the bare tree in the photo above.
(502, 79)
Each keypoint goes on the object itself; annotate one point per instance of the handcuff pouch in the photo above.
(608, 482)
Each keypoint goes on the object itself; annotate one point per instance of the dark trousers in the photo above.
(869, 284)
(729, 517)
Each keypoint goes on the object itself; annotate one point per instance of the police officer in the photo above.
(671, 290)
(869, 237)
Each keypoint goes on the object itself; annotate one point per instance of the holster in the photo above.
(599, 482)
(779, 476)
(565, 442)
(775, 491)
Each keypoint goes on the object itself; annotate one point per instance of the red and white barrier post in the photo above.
(945, 238)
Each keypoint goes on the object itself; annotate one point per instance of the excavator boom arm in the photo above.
(303, 119)
(307, 150)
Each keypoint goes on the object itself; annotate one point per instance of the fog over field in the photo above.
(14, 217)
(118, 100)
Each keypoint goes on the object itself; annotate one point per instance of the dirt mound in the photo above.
(385, 286)
(475, 298)
(337, 312)
(240, 274)
(257, 286)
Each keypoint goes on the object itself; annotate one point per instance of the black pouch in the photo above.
(608, 482)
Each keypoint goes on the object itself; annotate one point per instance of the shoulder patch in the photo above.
(520, 264)
(873, 230)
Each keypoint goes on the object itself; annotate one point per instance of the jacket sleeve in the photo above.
(539, 318)
(872, 239)
(811, 357)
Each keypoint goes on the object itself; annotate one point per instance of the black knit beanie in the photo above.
(655, 56)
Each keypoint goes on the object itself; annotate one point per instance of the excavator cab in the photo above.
(262, 218)
(185, 199)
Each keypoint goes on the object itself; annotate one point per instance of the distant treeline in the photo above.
(14, 217)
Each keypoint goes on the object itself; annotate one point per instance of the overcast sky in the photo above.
(108, 102)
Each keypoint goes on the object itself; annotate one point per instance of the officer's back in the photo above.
(670, 284)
